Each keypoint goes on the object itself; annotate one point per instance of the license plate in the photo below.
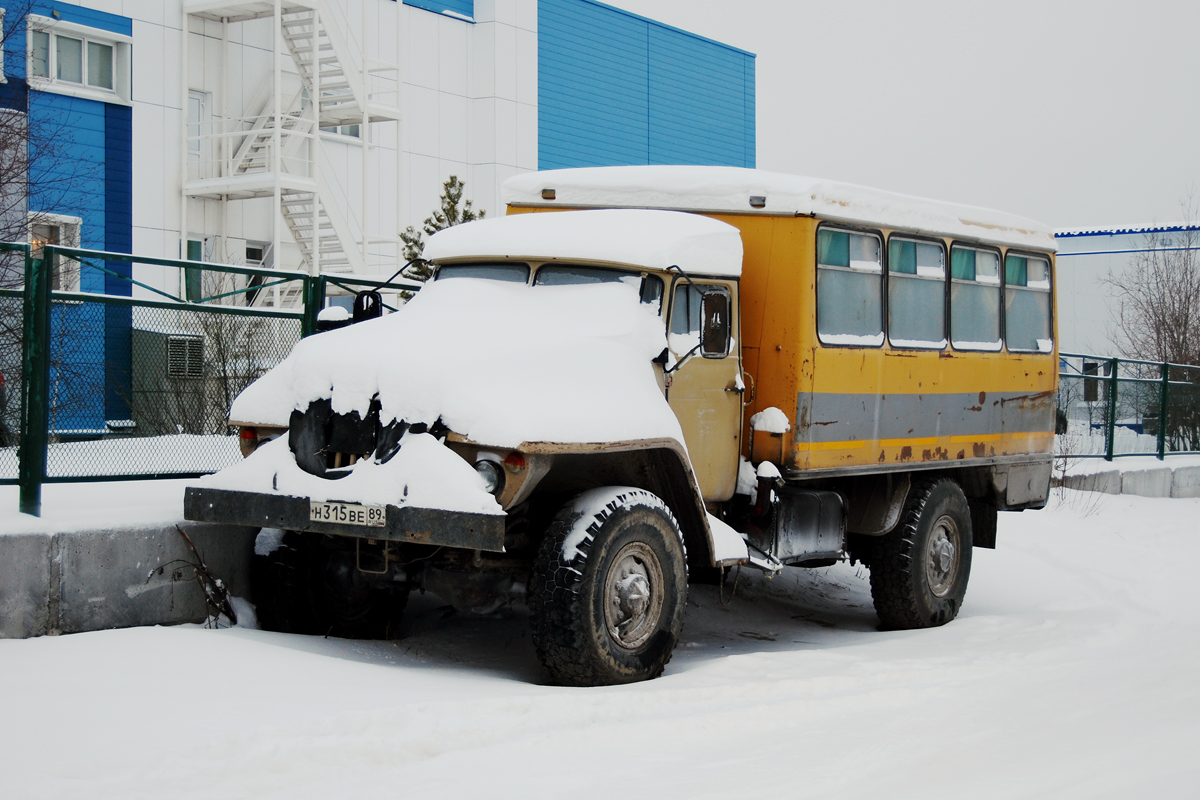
(348, 514)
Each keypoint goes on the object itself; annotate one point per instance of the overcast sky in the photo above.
(1072, 113)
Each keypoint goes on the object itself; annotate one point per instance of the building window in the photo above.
(192, 276)
(185, 357)
(2, 78)
(61, 230)
(73, 59)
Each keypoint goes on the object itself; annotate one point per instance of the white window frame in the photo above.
(122, 56)
(69, 230)
(3, 79)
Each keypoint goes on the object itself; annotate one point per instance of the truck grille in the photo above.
(326, 444)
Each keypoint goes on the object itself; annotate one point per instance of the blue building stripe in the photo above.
(86, 16)
(616, 88)
(464, 7)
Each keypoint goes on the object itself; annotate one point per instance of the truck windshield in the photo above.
(498, 271)
(650, 286)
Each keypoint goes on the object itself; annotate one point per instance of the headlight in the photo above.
(492, 474)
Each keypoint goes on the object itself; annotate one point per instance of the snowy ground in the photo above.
(1070, 673)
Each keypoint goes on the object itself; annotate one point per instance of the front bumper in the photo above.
(404, 523)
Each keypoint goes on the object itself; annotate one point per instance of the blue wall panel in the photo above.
(81, 165)
(615, 88)
(464, 7)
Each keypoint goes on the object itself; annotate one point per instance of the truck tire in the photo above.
(277, 586)
(919, 571)
(608, 589)
(347, 602)
(307, 586)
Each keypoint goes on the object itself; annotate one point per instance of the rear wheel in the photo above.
(919, 571)
(609, 588)
(311, 584)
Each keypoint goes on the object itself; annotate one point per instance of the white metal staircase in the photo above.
(275, 151)
(342, 95)
(308, 220)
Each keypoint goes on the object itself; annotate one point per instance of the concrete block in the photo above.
(24, 585)
(1147, 482)
(119, 579)
(1185, 482)
(92, 580)
(1105, 482)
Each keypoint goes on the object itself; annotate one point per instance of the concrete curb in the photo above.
(92, 580)
(1186, 482)
(1166, 481)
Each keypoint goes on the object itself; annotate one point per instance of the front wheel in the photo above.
(919, 571)
(609, 588)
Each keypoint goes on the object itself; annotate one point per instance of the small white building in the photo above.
(1087, 303)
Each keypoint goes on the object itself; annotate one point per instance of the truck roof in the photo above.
(729, 190)
(636, 237)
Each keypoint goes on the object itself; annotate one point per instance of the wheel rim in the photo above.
(941, 560)
(633, 596)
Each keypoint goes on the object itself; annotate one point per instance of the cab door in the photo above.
(705, 380)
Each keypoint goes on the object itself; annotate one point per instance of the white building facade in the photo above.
(307, 134)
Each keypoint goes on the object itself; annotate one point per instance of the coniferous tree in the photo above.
(452, 210)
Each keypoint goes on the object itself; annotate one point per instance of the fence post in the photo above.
(314, 301)
(35, 368)
(1113, 394)
(1164, 393)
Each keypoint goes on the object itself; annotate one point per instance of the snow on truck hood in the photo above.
(500, 363)
(637, 237)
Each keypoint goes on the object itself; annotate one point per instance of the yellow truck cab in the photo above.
(680, 370)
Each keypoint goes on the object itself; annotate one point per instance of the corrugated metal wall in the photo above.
(615, 88)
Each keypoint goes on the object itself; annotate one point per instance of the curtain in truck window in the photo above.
(1027, 304)
(849, 288)
(916, 294)
(974, 299)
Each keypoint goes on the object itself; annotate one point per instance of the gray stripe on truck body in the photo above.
(838, 417)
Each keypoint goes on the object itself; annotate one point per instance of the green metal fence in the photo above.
(1111, 407)
(108, 387)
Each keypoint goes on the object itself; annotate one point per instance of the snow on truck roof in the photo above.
(748, 191)
(637, 237)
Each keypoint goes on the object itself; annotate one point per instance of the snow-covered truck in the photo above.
(678, 371)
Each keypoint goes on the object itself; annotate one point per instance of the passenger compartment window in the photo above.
(916, 294)
(1027, 304)
(974, 299)
(849, 288)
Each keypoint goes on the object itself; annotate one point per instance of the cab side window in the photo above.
(1027, 304)
(849, 288)
(974, 299)
(916, 294)
(701, 309)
